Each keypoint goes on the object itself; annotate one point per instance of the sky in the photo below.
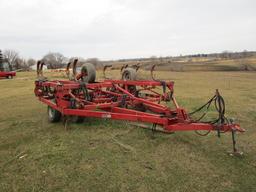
(116, 29)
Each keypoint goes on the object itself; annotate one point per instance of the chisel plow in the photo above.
(144, 101)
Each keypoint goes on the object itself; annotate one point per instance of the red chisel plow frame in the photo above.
(131, 100)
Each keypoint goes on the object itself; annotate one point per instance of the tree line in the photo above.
(53, 60)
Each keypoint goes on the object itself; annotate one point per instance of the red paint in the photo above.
(7, 74)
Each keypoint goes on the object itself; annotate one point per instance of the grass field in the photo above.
(104, 155)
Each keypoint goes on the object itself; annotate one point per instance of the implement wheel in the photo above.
(90, 73)
(53, 115)
(129, 74)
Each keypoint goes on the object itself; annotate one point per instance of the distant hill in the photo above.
(225, 61)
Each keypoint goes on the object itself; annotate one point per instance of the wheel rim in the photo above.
(126, 76)
(84, 74)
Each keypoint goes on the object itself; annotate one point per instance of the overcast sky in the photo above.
(112, 29)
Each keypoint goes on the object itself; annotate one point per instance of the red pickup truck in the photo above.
(5, 68)
(7, 74)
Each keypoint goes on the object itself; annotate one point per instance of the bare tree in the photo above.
(11, 56)
(21, 64)
(95, 61)
(31, 62)
(54, 60)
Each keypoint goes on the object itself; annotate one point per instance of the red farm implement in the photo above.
(127, 99)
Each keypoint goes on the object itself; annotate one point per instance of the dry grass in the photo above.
(38, 156)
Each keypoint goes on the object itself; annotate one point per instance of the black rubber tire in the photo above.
(53, 115)
(77, 119)
(9, 77)
(90, 70)
(129, 74)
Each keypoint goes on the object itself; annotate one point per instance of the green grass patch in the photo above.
(104, 155)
